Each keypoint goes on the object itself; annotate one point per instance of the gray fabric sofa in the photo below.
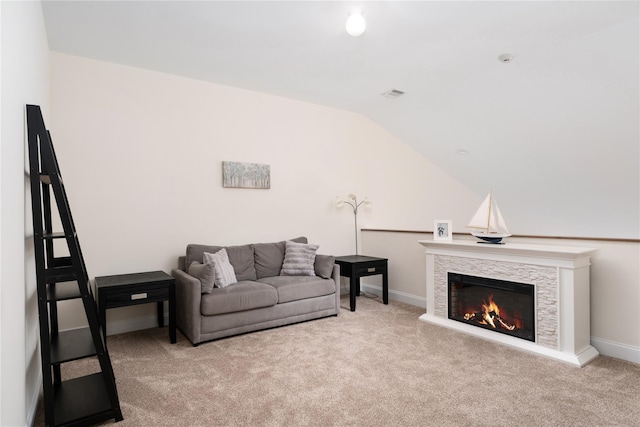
(262, 298)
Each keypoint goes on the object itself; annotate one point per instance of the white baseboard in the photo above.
(395, 295)
(617, 350)
(32, 404)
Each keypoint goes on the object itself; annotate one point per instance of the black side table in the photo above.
(356, 266)
(138, 288)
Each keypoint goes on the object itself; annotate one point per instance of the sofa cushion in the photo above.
(323, 265)
(299, 259)
(240, 257)
(241, 296)
(222, 268)
(269, 257)
(293, 288)
(204, 273)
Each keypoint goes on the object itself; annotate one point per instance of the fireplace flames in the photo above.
(490, 315)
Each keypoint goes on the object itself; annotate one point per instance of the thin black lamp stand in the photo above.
(352, 200)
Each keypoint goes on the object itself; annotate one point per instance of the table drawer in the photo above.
(138, 295)
(370, 269)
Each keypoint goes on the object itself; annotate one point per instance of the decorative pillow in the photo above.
(324, 265)
(204, 273)
(223, 270)
(299, 259)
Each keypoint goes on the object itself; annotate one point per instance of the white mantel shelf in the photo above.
(560, 275)
(511, 249)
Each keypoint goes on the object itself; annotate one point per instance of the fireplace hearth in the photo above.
(537, 297)
(498, 305)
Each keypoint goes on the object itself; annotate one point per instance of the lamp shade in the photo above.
(356, 24)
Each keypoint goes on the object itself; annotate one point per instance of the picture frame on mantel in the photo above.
(442, 230)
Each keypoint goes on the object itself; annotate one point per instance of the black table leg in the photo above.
(161, 313)
(385, 288)
(354, 283)
(172, 314)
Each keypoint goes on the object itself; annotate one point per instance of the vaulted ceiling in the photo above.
(555, 131)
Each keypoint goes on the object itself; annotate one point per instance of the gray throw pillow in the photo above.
(299, 259)
(223, 270)
(204, 273)
(324, 265)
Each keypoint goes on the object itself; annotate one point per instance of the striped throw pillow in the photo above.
(223, 271)
(299, 259)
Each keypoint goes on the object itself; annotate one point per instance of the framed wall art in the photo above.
(246, 175)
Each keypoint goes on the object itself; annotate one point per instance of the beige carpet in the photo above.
(378, 366)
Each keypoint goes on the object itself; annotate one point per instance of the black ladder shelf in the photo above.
(83, 400)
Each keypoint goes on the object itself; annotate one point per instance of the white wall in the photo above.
(615, 283)
(24, 79)
(141, 155)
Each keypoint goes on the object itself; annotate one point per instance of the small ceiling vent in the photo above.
(505, 58)
(393, 94)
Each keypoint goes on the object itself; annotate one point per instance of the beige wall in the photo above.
(24, 79)
(141, 155)
(615, 283)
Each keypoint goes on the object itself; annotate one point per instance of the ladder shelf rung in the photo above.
(62, 262)
(72, 345)
(56, 235)
(82, 400)
(63, 291)
(60, 274)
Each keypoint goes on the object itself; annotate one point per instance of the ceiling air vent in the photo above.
(393, 93)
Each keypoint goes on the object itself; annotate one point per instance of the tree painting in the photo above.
(245, 175)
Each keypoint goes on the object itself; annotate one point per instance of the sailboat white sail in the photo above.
(488, 223)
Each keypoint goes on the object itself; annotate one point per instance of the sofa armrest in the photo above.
(335, 275)
(188, 298)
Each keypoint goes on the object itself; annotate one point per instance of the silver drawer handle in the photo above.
(138, 296)
(371, 270)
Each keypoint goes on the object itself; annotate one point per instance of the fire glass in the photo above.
(498, 305)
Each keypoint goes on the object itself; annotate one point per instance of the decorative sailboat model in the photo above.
(488, 223)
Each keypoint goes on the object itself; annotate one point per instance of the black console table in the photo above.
(138, 288)
(356, 266)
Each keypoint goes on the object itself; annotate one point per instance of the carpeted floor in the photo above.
(377, 366)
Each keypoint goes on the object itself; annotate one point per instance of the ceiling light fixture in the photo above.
(356, 24)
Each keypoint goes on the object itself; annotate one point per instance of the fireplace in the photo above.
(541, 293)
(498, 305)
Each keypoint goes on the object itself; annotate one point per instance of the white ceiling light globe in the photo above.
(356, 24)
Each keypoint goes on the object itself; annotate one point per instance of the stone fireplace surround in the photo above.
(560, 275)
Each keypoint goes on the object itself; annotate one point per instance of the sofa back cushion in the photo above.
(240, 257)
(269, 257)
